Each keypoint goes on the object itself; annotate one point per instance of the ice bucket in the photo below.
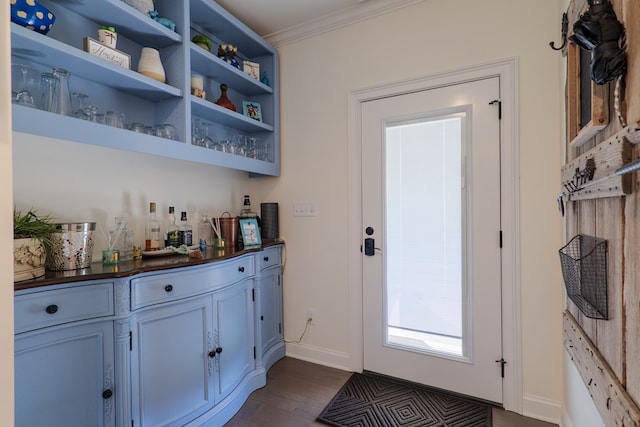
(71, 247)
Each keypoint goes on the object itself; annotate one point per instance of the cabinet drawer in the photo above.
(164, 287)
(269, 257)
(49, 308)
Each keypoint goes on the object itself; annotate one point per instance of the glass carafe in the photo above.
(61, 102)
(205, 231)
(121, 238)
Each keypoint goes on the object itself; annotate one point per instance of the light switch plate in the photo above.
(304, 209)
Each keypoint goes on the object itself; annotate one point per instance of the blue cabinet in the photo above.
(178, 347)
(111, 87)
(269, 314)
(191, 352)
(64, 372)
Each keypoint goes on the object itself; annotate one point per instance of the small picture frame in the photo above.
(250, 232)
(252, 110)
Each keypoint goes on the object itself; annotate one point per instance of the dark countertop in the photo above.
(98, 271)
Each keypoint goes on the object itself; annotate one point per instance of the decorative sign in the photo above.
(252, 69)
(114, 56)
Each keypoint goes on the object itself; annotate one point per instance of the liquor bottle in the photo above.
(185, 231)
(172, 237)
(121, 238)
(245, 211)
(152, 238)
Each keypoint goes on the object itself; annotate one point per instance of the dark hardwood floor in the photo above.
(297, 391)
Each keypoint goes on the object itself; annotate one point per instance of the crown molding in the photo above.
(359, 12)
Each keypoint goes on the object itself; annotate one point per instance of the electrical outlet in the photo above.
(311, 314)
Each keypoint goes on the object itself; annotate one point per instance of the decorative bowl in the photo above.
(32, 15)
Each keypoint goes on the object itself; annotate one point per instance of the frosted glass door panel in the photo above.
(424, 255)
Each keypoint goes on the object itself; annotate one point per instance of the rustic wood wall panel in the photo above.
(610, 333)
(607, 352)
(631, 17)
(631, 295)
(614, 404)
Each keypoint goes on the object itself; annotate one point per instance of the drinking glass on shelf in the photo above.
(196, 137)
(48, 82)
(61, 95)
(115, 119)
(81, 112)
(167, 131)
(207, 141)
(26, 83)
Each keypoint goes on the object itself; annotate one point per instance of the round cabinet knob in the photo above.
(168, 288)
(219, 350)
(261, 317)
(107, 394)
(241, 269)
(51, 309)
(266, 259)
(212, 354)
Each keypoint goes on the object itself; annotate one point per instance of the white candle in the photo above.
(197, 82)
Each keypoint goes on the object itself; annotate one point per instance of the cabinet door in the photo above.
(234, 337)
(171, 371)
(64, 377)
(270, 309)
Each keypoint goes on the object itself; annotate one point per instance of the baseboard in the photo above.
(321, 356)
(541, 409)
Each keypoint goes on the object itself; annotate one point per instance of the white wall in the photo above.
(79, 182)
(430, 37)
(6, 229)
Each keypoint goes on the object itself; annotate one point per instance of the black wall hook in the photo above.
(565, 29)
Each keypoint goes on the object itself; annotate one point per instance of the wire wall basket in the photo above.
(584, 268)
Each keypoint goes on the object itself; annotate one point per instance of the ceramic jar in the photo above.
(150, 64)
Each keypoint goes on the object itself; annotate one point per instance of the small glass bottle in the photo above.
(245, 211)
(172, 237)
(121, 238)
(153, 237)
(205, 232)
(185, 231)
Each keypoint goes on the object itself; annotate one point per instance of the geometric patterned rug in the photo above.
(367, 400)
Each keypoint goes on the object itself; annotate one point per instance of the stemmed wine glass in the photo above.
(24, 96)
(207, 141)
(196, 138)
(81, 112)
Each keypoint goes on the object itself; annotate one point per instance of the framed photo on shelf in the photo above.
(252, 110)
(250, 232)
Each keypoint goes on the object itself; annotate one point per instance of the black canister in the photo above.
(269, 220)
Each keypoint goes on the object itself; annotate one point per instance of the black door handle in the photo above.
(369, 246)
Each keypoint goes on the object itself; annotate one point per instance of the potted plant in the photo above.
(31, 234)
(107, 36)
(202, 41)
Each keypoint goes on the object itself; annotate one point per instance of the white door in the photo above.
(431, 237)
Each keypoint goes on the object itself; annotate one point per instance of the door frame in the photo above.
(507, 71)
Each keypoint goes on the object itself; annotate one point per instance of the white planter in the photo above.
(107, 38)
(28, 259)
(150, 64)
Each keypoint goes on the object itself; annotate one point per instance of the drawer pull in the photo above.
(241, 269)
(107, 394)
(168, 288)
(215, 352)
(266, 259)
(51, 309)
(261, 317)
